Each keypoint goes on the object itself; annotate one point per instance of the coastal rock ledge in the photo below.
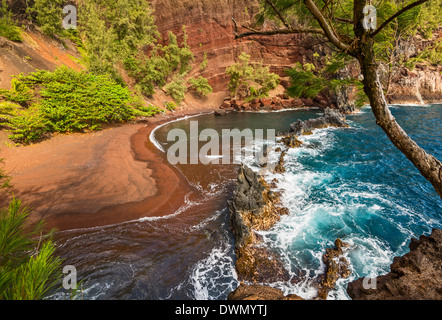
(415, 276)
(255, 207)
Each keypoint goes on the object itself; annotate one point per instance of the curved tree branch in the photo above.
(278, 13)
(397, 14)
(311, 6)
(274, 32)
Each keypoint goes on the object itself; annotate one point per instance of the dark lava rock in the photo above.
(259, 292)
(331, 118)
(415, 276)
(255, 207)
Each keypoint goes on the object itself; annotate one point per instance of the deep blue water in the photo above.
(355, 185)
(350, 183)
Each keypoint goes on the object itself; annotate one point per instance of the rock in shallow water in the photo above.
(255, 207)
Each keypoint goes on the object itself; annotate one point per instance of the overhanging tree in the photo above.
(343, 23)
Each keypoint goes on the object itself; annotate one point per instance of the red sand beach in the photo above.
(95, 179)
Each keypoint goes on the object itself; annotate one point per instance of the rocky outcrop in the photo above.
(423, 85)
(331, 118)
(255, 207)
(279, 102)
(415, 276)
(336, 266)
(259, 292)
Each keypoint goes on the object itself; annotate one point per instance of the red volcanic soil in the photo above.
(95, 179)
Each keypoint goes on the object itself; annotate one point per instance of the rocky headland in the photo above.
(254, 207)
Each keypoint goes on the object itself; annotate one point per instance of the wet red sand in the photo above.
(95, 179)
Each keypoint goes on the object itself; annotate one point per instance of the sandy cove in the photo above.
(96, 179)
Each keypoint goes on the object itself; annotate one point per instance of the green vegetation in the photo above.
(204, 63)
(28, 267)
(112, 35)
(257, 79)
(113, 30)
(19, 93)
(307, 81)
(171, 106)
(177, 88)
(48, 15)
(431, 55)
(8, 29)
(201, 86)
(165, 61)
(68, 101)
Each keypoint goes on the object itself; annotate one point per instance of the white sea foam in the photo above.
(152, 133)
(207, 274)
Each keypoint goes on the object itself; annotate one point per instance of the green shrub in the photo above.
(177, 89)
(201, 85)
(48, 15)
(19, 93)
(147, 111)
(8, 29)
(70, 101)
(163, 62)
(243, 73)
(171, 106)
(28, 126)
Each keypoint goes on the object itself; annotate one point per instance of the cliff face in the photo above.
(420, 86)
(211, 30)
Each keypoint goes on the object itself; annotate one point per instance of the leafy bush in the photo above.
(163, 62)
(29, 268)
(177, 88)
(147, 111)
(171, 106)
(48, 15)
(243, 73)
(70, 101)
(28, 126)
(201, 85)
(8, 29)
(19, 93)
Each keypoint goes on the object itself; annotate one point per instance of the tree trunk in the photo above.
(429, 166)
